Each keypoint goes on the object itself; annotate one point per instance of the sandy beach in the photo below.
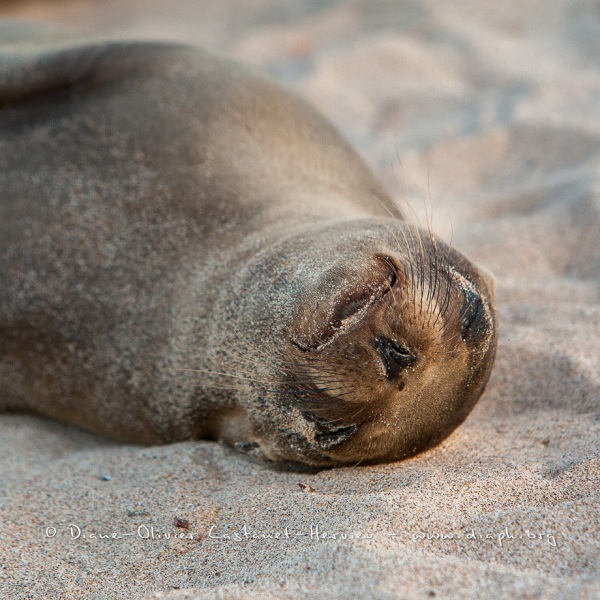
(484, 119)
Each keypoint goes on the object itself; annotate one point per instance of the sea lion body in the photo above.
(187, 250)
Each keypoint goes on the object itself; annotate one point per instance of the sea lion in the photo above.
(189, 251)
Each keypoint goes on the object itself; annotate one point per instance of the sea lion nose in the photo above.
(396, 357)
(473, 321)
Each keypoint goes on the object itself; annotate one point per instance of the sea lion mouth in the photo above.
(335, 437)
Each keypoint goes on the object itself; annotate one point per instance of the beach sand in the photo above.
(485, 117)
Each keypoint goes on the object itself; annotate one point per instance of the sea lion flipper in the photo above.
(59, 62)
(48, 70)
(27, 64)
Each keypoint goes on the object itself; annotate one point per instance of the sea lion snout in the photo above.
(396, 357)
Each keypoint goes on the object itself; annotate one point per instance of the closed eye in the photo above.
(348, 309)
(360, 300)
(472, 316)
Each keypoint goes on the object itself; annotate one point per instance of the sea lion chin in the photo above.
(189, 251)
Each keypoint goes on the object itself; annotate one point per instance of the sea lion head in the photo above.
(375, 340)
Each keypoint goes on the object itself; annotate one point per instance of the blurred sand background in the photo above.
(488, 115)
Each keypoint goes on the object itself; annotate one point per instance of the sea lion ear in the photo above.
(322, 319)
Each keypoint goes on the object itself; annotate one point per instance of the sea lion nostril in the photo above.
(396, 357)
(472, 316)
